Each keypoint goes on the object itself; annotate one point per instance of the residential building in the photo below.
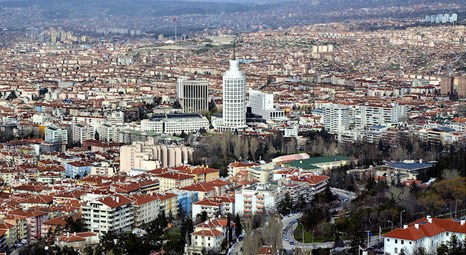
(172, 180)
(214, 206)
(56, 135)
(82, 133)
(336, 118)
(34, 220)
(78, 169)
(111, 213)
(461, 86)
(446, 86)
(201, 173)
(146, 209)
(208, 236)
(148, 155)
(78, 241)
(257, 198)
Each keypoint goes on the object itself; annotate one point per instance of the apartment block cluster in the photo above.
(101, 130)
(38, 199)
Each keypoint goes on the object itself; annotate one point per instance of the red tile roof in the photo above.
(115, 201)
(176, 176)
(423, 228)
(209, 232)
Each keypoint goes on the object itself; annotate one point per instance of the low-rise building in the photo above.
(428, 233)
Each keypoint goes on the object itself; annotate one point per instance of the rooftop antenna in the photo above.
(234, 46)
(174, 21)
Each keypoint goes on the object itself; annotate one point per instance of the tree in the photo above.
(239, 227)
(442, 250)
(456, 247)
(88, 250)
(229, 231)
(285, 205)
(448, 174)
(420, 251)
(271, 234)
(251, 244)
(74, 225)
(201, 217)
(253, 147)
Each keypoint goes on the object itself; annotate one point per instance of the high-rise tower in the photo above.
(234, 98)
(193, 95)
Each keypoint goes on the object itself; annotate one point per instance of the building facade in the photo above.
(193, 95)
(262, 104)
(234, 98)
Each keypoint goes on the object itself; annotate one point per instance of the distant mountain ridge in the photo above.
(84, 8)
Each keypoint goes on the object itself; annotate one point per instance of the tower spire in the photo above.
(234, 46)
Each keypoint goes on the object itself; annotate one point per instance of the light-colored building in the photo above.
(146, 209)
(193, 95)
(262, 104)
(56, 135)
(428, 233)
(109, 132)
(336, 118)
(172, 180)
(82, 133)
(382, 114)
(149, 155)
(207, 236)
(461, 86)
(256, 198)
(234, 99)
(214, 206)
(111, 213)
(175, 123)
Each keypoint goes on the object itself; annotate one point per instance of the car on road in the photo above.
(292, 243)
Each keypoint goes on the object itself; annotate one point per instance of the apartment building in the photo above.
(111, 213)
(207, 236)
(257, 198)
(82, 133)
(56, 135)
(171, 180)
(146, 209)
(148, 155)
(213, 206)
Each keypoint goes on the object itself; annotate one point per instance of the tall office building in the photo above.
(234, 98)
(193, 95)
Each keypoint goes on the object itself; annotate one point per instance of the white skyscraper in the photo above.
(234, 98)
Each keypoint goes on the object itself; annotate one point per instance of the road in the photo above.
(236, 248)
(288, 230)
